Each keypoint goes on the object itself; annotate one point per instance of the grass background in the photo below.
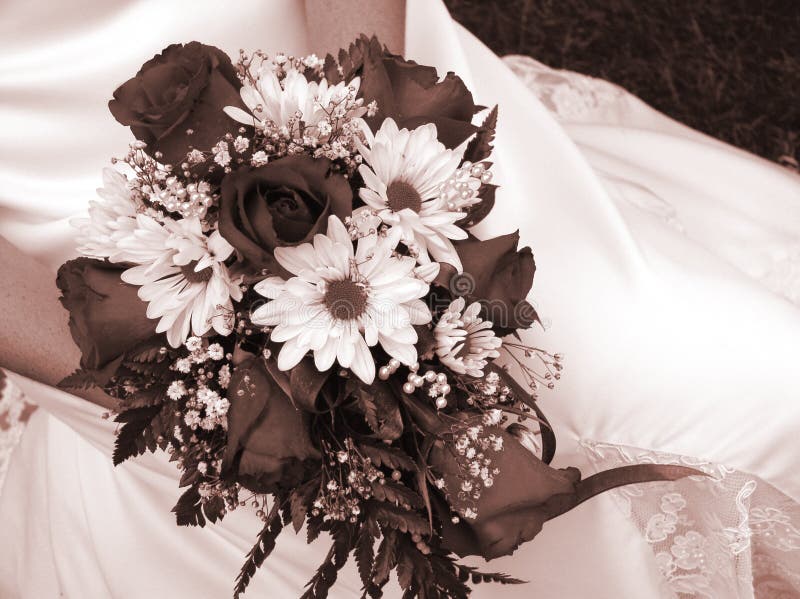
(730, 68)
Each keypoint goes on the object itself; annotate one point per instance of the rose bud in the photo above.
(498, 275)
(269, 444)
(509, 512)
(410, 93)
(283, 203)
(182, 89)
(106, 316)
(524, 495)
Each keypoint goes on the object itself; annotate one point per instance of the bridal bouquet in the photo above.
(280, 287)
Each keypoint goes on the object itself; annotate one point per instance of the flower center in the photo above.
(403, 195)
(190, 275)
(467, 348)
(345, 299)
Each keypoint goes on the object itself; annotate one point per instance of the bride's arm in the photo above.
(34, 336)
(333, 24)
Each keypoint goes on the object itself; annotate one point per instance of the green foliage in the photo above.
(396, 493)
(380, 407)
(480, 146)
(80, 379)
(299, 501)
(397, 518)
(139, 431)
(365, 555)
(265, 544)
(386, 559)
(466, 573)
(327, 573)
(390, 457)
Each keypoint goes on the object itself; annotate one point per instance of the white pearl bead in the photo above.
(441, 403)
(408, 388)
(384, 373)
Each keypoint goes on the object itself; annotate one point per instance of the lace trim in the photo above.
(730, 534)
(783, 277)
(568, 95)
(14, 413)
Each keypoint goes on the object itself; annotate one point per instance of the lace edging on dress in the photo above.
(730, 534)
(14, 413)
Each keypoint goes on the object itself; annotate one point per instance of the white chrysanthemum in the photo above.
(408, 173)
(182, 276)
(111, 219)
(341, 302)
(464, 341)
(284, 102)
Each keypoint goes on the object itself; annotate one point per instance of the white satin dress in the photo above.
(668, 276)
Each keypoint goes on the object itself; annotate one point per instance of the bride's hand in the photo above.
(334, 24)
(34, 335)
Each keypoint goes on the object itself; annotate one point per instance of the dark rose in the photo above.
(184, 87)
(268, 439)
(512, 511)
(106, 316)
(410, 93)
(525, 494)
(498, 275)
(285, 202)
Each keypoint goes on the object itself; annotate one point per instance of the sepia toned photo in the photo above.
(400, 299)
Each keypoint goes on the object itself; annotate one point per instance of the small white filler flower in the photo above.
(464, 341)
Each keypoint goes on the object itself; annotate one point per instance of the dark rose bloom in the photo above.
(410, 93)
(497, 274)
(184, 87)
(283, 203)
(269, 445)
(525, 494)
(106, 316)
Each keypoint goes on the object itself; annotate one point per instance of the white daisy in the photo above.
(111, 219)
(464, 341)
(182, 276)
(341, 302)
(284, 102)
(410, 182)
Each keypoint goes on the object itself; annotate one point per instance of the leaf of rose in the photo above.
(397, 518)
(426, 341)
(397, 494)
(264, 430)
(306, 382)
(478, 212)
(497, 274)
(388, 456)
(480, 146)
(418, 91)
(299, 500)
